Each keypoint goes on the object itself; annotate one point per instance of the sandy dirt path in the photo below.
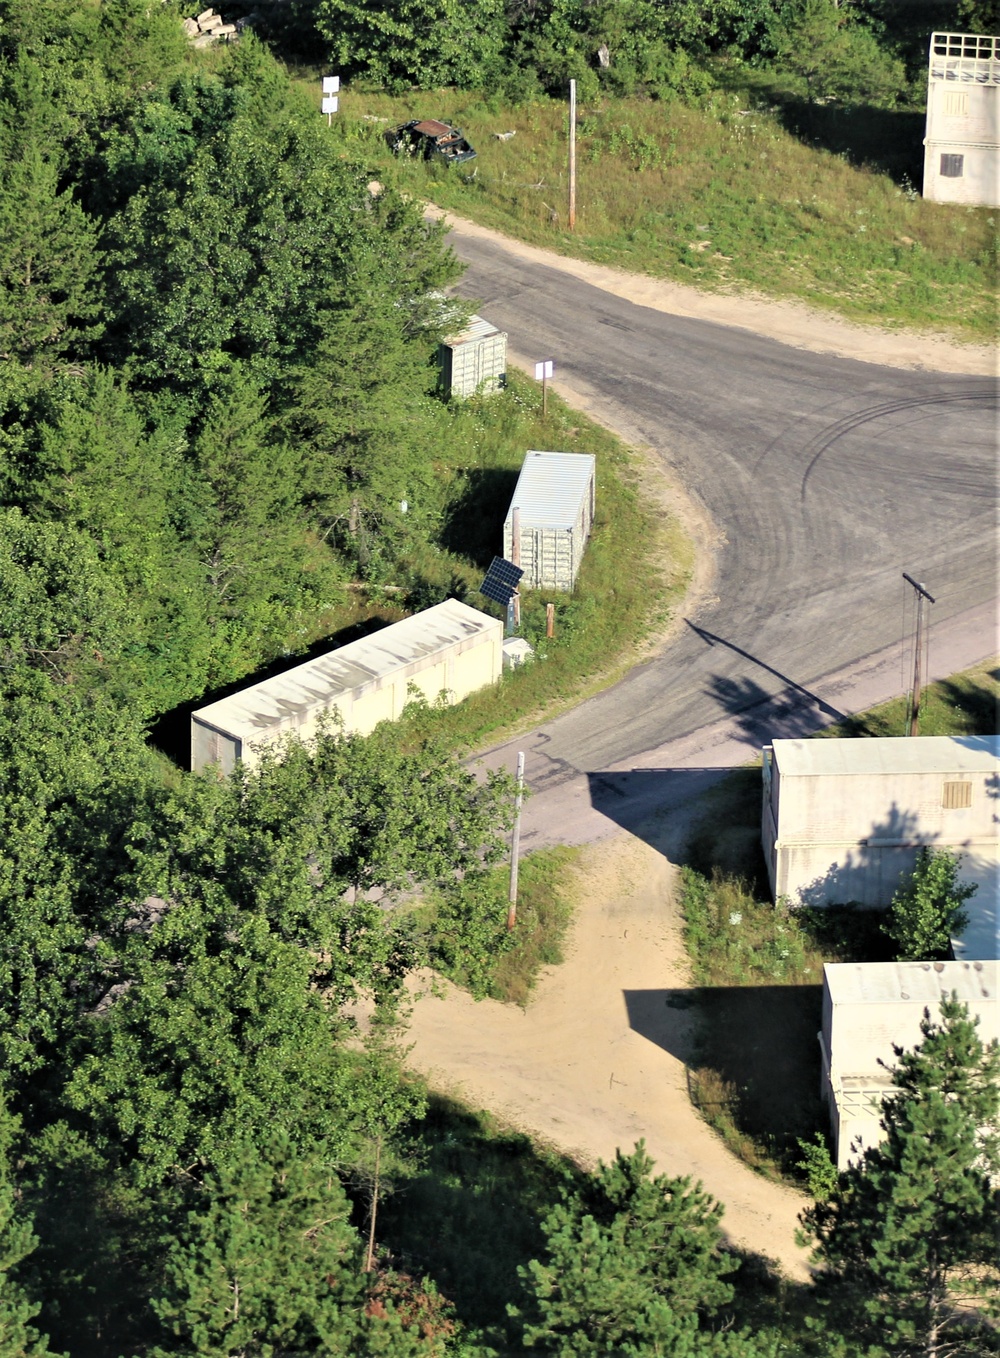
(597, 1060)
(790, 322)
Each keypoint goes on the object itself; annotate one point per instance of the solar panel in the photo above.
(501, 580)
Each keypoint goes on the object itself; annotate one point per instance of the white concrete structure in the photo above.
(962, 144)
(870, 1007)
(555, 501)
(842, 820)
(449, 650)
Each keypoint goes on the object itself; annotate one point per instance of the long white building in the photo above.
(446, 651)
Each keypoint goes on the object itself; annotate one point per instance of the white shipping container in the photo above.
(555, 500)
(475, 360)
(450, 649)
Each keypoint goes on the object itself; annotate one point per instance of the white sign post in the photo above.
(543, 371)
(331, 88)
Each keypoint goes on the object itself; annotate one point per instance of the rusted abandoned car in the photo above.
(431, 140)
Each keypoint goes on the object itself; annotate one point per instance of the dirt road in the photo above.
(598, 1058)
(791, 322)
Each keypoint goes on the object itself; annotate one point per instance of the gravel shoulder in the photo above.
(793, 323)
(597, 1059)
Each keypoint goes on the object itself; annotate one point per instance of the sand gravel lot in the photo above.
(572, 1070)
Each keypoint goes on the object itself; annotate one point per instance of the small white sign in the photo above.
(331, 84)
(330, 103)
(543, 369)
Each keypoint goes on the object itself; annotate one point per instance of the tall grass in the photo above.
(723, 196)
(465, 926)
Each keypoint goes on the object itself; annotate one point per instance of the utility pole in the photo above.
(572, 155)
(913, 720)
(515, 844)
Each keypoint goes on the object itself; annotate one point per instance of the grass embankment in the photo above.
(724, 196)
(760, 965)
(465, 928)
(636, 567)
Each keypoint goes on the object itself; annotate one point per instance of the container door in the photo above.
(211, 747)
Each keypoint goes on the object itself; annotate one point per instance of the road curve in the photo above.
(825, 478)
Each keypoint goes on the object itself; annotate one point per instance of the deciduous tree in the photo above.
(927, 913)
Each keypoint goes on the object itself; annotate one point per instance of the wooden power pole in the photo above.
(515, 843)
(913, 723)
(572, 155)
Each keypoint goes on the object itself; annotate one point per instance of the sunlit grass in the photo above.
(721, 196)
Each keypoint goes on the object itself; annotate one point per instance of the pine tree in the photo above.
(911, 1230)
(632, 1263)
(268, 1263)
(49, 296)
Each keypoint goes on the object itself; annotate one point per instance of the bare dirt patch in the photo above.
(793, 323)
(598, 1059)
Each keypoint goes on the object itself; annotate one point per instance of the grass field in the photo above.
(737, 194)
(760, 965)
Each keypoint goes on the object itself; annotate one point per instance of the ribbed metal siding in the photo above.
(554, 498)
(475, 360)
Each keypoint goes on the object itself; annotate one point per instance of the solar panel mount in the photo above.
(501, 581)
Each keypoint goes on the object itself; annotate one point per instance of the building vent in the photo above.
(952, 166)
(956, 796)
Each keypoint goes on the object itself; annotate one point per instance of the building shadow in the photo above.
(751, 1051)
(889, 140)
(170, 732)
(473, 520)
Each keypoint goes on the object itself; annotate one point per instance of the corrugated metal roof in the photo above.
(551, 488)
(887, 755)
(477, 329)
(923, 983)
(253, 711)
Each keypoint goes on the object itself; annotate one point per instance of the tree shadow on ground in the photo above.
(473, 522)
(170, 732)
(889, 140)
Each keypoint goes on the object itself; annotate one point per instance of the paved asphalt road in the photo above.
(824, 477)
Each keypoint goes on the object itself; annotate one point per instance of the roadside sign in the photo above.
(331, 84)
(543, 370)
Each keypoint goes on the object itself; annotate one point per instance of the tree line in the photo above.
(861, 51)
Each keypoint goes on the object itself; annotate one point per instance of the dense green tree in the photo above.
(910, 1232)
(210, 1027)
(267, 1262)
(229, 954)
(837, 57)
(18, 1337)
(414, 43)
(69, 748)
(927, 913)
(49, 288)
(632, 1263)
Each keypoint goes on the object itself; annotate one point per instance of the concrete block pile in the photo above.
(206, 28)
